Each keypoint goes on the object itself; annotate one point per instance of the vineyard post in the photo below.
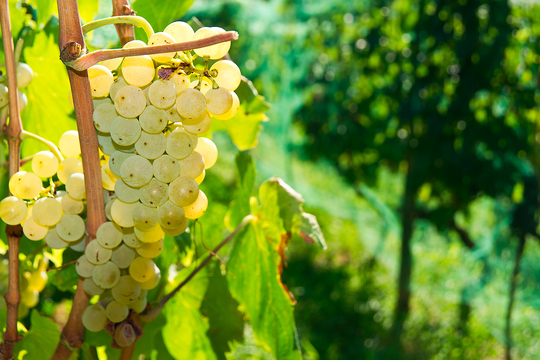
(14, 233)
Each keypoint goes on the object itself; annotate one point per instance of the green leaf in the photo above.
(185, 332)
(308, 228)
(226, 322)
(245, 168)
(245, 126)
(48, 113)
(41, 340)
(152, 340)
(256, 285)
(161, 13)
(65, 279)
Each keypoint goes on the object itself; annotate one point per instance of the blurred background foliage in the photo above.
(411, 129)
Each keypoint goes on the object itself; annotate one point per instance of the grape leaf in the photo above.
(41, 340)
(152, 340)
(48, 113)
(48, 8)
(185, 332)
(245, 169)
(245, 126)
(161, 13)
(255, 285)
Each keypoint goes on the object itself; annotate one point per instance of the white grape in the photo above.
(125, 132)
(150, 250)
(151, 146)
(161, 38)
(153, 120)
(121, 213)
(177, 231)
(180, 144)
(101, 80)
(198, 208)
(201, 127)
(109, 235)
(138, 70)
(116, 160)
(192, 166)
(152, 235)
(13, 210)
(54, 241)
(130, 239)
(4, 98)
(71, 206)
(180, 31)
(136, 171)
(228, 74)
(116, 312)
(218, 101)
(180, 81)
(170, 216)
(142, 269)
(27, 185)
(127, 290)
(123, 256)
(91, 288)
(119, 83)
(97, 254)
(166, 168)
(69, 144)
(106, 275)
(183, 191)
(144, 217)
(208, 150)
(162, 94)
(154, 281)
(229, 114)
(130, 101)
(45, 164)
(24, 75)
(224, 46)
(83, 267)
(94, 318)
(47, 211)
(70, 228)
(203, 84)
(103, 117)
(33, 230)
(190, 103)
(199, 179)
(112, 64)
(155, 193)
(208, 51)
(75, 186)
(126, 193)
(67, 167)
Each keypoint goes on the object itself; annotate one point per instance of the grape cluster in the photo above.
(149, 112)
(32, 282)
(24, 77)
(49, 213)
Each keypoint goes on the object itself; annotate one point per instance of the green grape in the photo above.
(166, 168)
(123, 256)
(69, 144)
(126, 291)
(138, 70)
(232, 111)
(97, 101)
(116, 160)
(172, 115)
(153, 120)
(136, 171)
(205, 85)
(119, 83)
(145, 91)
(150, 250)
(139, 305)
(151, 146)
(155, 193)
(142, 269)
(101, 80)
(130, 101)
(149, 236)
(4, 99)
(106, 145)
(126, 193)
(27, 185)
(162, 94)
(112, 64)
(144, 217)
(77, 246)
(83, 267)
(130, 239)
(190, 103)
(224, 47)
(180, 144)
(97, 254)
(116, 312)
(218, 101)
(107, 275)
(23, 101)
(134, 44)
(228, 74)
(199, 179)
(75, 186)
(33, 230)
(183, 191)
(94, 318)
(170, 216)
(201, 127)
(121, 213)
(109, 235)
(125, 132)
(14, 180)
(154, 281)
(24, 75)
(180, 31)
(103, 117)
(91, 288)
(71, 206)
(29, 297)
(208, 151)
(67, 167)
(53, 240)
(195, 121)
(192, 166)
(180, 81)
(108, 179)
(108, 207)
(70, 227)
(13, 210)
(38, 280)
(161, 38)
(45, 164)
(208, 51)
(198, 208)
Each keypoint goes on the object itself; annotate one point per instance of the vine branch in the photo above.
(126, 32)
(73, 59)
(130, 20)
(71, 33)
(14, 233)
(50, 144)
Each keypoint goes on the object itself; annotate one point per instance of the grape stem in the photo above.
(77, 62)
(63, 265)
(27, 134)
(130, 20)
(14, 233)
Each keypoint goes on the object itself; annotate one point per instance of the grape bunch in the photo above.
(24, 77)
(47, 212)
(32, 282)
(149, 113)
